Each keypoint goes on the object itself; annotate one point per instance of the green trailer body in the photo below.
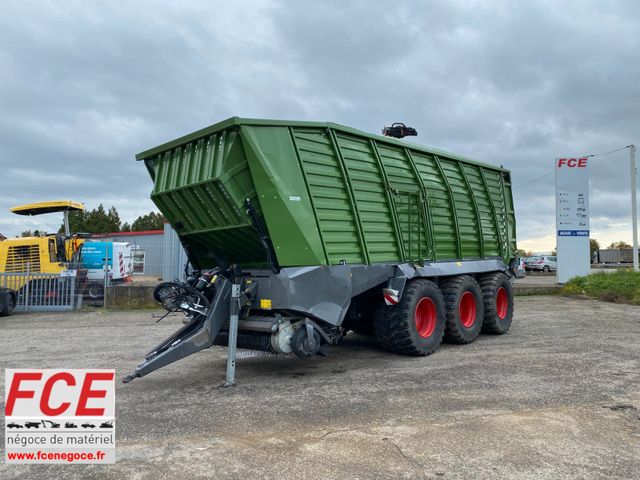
(299, 232)
(328, 195)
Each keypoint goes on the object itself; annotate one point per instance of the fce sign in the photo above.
(572, 217)
(33, 391)
(59, 416)
(572, 162)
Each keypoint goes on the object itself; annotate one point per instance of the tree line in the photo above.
(100, 220)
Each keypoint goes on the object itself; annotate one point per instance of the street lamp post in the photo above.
(634, 205)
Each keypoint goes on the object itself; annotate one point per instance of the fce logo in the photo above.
(66, 383)
(60, 416)
(572, 162)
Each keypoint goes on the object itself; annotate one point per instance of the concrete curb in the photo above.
(130, 296)
(524, 290)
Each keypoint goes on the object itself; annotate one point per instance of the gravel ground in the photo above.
(558, 397)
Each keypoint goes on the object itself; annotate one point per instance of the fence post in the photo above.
(72, 298)
(26, 298)
(106, 275)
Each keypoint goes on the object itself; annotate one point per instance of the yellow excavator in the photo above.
(51, 253)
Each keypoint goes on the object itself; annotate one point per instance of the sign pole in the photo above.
(634, 205)
(572, 218)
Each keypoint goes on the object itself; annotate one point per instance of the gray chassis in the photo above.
(320, 293)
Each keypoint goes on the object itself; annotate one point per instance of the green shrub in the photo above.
(622, 286)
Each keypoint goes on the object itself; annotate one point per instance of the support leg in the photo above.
(233, 333)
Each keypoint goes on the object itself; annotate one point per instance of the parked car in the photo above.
(7, 301)
(542, 263)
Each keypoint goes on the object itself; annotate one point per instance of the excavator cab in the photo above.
(46, 253)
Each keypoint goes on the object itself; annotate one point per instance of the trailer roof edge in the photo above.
(237, 121)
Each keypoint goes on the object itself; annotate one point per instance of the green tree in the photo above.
(76, 222)
(619, 245)
(594, 246)
(125, 227)
(97, 220)
(114, 219)
(150, 221)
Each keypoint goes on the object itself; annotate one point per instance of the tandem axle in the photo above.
(301, 310)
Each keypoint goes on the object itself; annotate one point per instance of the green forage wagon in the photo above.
(298, 232)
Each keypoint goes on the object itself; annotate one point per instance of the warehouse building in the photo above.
(155, 252)
(174, 258)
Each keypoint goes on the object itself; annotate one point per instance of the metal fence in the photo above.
(42, 292)
(615, 255)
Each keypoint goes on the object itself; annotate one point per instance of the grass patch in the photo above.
(622, 286)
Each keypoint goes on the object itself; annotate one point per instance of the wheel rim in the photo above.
(94, 291)
(502, 303)
(467, 309)
(425, 317)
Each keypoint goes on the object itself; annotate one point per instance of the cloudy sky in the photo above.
(85, 85)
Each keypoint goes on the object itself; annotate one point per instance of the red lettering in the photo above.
(573, 162)
(87, 393)
(15, 392)
(45, 407)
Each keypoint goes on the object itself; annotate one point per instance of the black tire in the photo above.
(95, 290)
(300, 343)
(465, 309)
(413, 327)
(497, 316)
(8, 305)
(546, 269)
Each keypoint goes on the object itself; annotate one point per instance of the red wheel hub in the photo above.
(502, 303)
(467, 309)
(425, 316)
